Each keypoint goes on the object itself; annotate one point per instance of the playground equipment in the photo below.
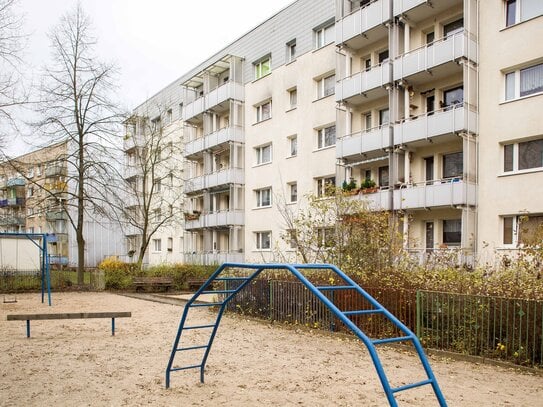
(228, 293)
(26, 252)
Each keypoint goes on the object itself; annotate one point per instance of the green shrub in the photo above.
(118, 275)
(181, 273)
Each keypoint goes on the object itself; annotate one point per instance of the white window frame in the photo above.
(292, 186)
(261, 114)
(259, 67)
(259, 152)
(291, 51)
(518, 12)
(516, 151)
(157, 245)
(324, 35)
(157, 215)
(322, 91)
(260, 194)
(321, 137)
(293, 98)
(293, 145)
(322, 183)
(515, 230)
(170, 244)
(260, 239)
(512, 90)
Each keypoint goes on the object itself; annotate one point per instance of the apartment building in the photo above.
(35, 192)
(433, 102)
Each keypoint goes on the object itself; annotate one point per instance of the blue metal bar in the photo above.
(230, 278)
(175, 369)
(412, 385)
(389, 340)
(363, 312)
(192, 348)
(198, 327)
(335, 287)
(206, 304)
(112, 326)
(219, 292)
(28, 328)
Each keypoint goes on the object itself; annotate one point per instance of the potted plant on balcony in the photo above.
(349, 188)
(368, 186)
(191, 216)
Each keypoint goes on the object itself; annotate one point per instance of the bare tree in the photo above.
(11, 46)
(153, 178)
(76, 105)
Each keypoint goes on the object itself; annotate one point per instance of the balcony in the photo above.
(15, 182)
(133, 140)
(58, 260)
(366, 86)
(363, 142)
(224, 177)
(52, 216)
(216, 219)
(437, 193)
(56, 187)
(3, 203)
(12, 221)
(229, 90)
(364, 26)
(213, 258)
(418, 10)
(222, 136)
(55, 171)
(445, 122)
(131, 171)
(377, 201)
(15, 201)
(437, 60)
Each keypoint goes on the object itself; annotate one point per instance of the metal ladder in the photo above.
(318, 291)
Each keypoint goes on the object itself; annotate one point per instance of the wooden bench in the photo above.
(193, 284)
(153, 282)
(69, 315)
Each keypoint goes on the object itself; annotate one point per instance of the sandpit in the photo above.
(79, 363)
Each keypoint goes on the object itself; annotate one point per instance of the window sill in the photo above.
(291, 109)
(323, 47)
(292, 203)
(323, 97)
(262, 121)
(291, 62)
(262, 250)
(519, 23)
(324, 148)
(262, 164)
(521, 98)
(257, 208)
(291, 156)
(262, 77)
(520, 172)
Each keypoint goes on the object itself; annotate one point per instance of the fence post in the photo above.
(418, 310)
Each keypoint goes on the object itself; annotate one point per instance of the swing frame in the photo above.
(45, 269)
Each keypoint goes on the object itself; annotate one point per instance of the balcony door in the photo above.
(453, 97)
(429, 236)
(429, 169)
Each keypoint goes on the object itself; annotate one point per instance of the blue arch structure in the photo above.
(45, 272)
(318, 291)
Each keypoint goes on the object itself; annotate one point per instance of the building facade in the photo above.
(417, 99)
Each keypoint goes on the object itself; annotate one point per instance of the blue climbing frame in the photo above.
(45, 272)
(318, 292)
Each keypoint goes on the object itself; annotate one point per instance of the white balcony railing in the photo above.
(363, 142)
(130, 171)
(401, 6)
(364, 19)
(224, 135)
(453, 119)
(229, 90)
(376, 201)
(454, 192)
(133, 140)
(223, 177)
(362, 83)
(211, 258)
(216, 219)
(439, 52)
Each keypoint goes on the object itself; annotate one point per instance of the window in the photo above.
(293, 146)
(263, 112)
(383, 176)
(325, 186)
(263, 240)
(325, 237)
(452, 232)
(509, 226)
(263, 197)
(453, 97)
(292, 238)
(525, 155)
(366, 121)
(155, 124)
(366, 63)
(29, 192)
(522, 229)
(524, 82)
(30, 173)
(383, 56)
(157, 185)
(384, 117)
(169, 116)
(170, 244)
(262, 67)
(326, 86)
(291, 51)
(430, 38)
(157, 245)
(453, 28)
(517, 11)
(293, 192)
(453, 165)
(157, 215)
(326, 137)
(324, 36)
(263, 154)
(180, 109)
(293, 98)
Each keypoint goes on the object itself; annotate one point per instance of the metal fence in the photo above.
(491, 327)
(29, 280)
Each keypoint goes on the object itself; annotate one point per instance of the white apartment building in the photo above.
(436, 102)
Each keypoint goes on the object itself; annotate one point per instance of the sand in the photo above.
(252, 363)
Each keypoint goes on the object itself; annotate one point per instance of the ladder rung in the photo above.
(388, 340)
(218, 292)
(335, 287)
(206, 304)
(231, 278)
(192, 347)
(410, 386)
(175, 369)
(363, 311)
(198, 326)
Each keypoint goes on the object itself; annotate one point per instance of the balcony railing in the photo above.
(452, 192)
(56, 187)
(367, 85)
(15, 201)
(212, 258)
(360, 21)
(215, 219)
(55, 170)
(16, 182)
(3, 203)
(363, 142)
(440, 52)
(224, 177)
(224, 135)
(52, 216)
(229, 90)
(453, 119)
(131, 171)
(401, 6)
(12, 221)
(376, 201)
(133, 140)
